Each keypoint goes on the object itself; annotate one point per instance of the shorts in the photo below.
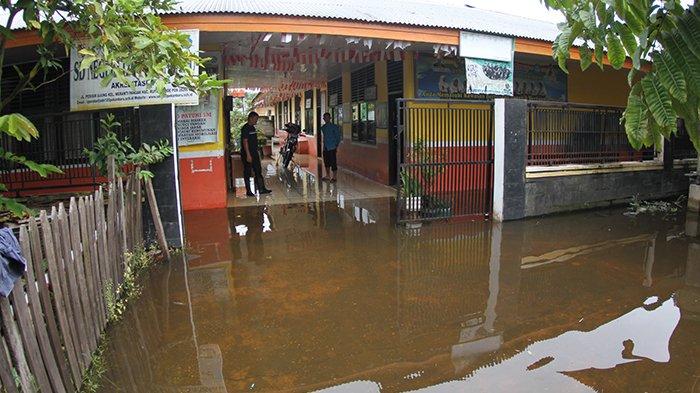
(330, 160)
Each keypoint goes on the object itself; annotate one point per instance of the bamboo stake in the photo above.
(160, 232)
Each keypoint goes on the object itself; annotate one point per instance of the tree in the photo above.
(663, 31)
(119, 39)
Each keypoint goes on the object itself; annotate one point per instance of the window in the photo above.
(297, 109)
(335, 100)
(363, 96)
(285, 113)
(309, 112)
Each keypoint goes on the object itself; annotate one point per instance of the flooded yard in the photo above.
(334, 297)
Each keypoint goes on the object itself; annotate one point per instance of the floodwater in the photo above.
(334, 297)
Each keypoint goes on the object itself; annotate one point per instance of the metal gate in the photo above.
(445, 159)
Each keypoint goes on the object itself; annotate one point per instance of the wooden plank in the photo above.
(59, 285)
(34, 257)
(94, 240)
(76, 245)
(45, 296)
(139, 208)
(87, 269)
(15, 343)
(111, 235)
(128, 213)
(124, 225)
(8, 381)
(26, 325)
(73, 290)
(101, 228)
(160, 232)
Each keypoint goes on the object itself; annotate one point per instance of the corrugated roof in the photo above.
(413, 13)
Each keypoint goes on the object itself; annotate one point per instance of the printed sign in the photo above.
(87, 92)
(540, 82)
(489, 77)
(440, 78)
(198, 124)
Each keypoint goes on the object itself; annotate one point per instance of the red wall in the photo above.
(371, 161)
(203, 183)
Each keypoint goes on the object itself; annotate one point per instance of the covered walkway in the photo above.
(302, 184)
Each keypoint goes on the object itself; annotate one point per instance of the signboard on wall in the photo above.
(197, 124)
(87, 92)
(540, 82)
(440, 78)
(489, 77)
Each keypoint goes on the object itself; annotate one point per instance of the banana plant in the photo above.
(661, 40)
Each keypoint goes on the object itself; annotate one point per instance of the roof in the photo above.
(405, 12)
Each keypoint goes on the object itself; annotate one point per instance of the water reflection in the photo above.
(334, 297)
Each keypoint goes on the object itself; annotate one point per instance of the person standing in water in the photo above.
(331, 140)
(251, 157)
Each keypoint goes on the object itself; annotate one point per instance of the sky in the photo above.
(528, 8)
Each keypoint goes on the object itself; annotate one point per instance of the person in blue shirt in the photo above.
(331, 139)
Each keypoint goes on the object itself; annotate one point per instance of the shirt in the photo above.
(331, 136)
(248, 132)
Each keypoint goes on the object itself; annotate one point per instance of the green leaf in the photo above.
(616, 53)
(658, 101)
(18, 127)
(689, 31)
(586, 56)
(87, 62)
(598, 54)
(636, 122)
(670, 75)
(627, 37)
(588, 18)
(17, 209)
(687, 62)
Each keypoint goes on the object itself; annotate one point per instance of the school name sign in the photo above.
(87, 92)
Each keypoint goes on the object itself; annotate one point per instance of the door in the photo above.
(393, 137)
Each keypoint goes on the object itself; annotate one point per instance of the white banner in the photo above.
(86, 91)
(198, 124)
(485, 46)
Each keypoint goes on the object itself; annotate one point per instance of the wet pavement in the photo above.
(334, 297)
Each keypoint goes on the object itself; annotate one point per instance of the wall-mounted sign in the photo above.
(371, 93)
(440, 78)
(540, 82)
(485, 46)
(197, 124)
(333, 100)
(87, 92)
(489, 77)
(308, 103)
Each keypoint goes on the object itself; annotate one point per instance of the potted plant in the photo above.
(411, 191)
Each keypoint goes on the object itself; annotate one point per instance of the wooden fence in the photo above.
(54, 317)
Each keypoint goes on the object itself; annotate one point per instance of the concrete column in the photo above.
(510, 158)
(156, 123)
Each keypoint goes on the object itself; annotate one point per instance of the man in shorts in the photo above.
(331, 139)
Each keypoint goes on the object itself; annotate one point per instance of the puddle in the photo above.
(333, 297)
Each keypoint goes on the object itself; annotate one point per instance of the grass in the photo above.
(138, 262)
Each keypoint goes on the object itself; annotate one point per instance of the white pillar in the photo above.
(499, 140)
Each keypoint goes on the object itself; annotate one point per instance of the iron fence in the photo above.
(63, 138)
(679, 146)
(564, 133)
(445, 159)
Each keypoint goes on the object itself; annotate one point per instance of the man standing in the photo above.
(251, 157)
(331, 140)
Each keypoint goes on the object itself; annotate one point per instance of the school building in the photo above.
(470, 93)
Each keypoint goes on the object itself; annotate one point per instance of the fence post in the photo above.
(160, 233)
(510, 158)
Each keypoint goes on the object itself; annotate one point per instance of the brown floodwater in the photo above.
(334, 297)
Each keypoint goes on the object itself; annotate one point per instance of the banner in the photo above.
(197, 124)
(489, 77)
(440, 78)
(87, 92)
(540, 82)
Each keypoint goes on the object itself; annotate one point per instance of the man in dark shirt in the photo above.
(251, 157)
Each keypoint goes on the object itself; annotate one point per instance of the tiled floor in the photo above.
(301, 183)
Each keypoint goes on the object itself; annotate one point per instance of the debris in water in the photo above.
(638, 206)
(580, 320)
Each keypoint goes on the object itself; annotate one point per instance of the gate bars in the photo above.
(445, 159)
